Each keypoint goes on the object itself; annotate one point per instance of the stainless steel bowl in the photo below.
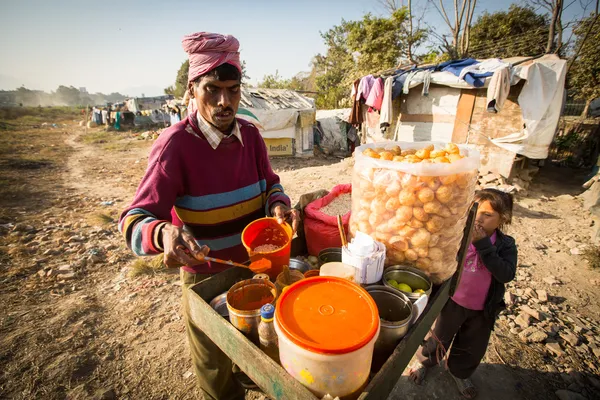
(332, 254)
(219, 304)
(299, 265)
(395, 314)
(413, 277)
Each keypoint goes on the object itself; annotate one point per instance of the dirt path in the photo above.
(76, 325)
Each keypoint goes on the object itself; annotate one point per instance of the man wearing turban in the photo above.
(208, 177)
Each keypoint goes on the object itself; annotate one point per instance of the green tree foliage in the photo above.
(516, 32)
(584, 74)
(299, 82)
(181, 83)
(358, 48)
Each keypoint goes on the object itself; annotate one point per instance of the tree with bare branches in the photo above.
(414, 35)
(459, 25)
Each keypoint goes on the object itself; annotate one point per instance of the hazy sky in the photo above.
(134, 46)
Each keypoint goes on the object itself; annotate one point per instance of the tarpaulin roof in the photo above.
(274, 99)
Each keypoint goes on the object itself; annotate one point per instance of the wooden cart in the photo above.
(270, 376)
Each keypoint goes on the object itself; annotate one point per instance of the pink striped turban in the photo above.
(209, 50)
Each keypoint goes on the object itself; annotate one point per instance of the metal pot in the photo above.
(219, 304)
(395, 314)
(332, 254)
(413, 277)
(244, 301)
(299, 265)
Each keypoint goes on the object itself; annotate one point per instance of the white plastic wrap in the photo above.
(417, 210)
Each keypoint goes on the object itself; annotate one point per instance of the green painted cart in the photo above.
(274, 381)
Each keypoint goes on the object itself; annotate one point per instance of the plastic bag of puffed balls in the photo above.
(414, 198)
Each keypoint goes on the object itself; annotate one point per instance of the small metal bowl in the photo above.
(413, 277)
(299, 265)
(219, 304)
(332, 254)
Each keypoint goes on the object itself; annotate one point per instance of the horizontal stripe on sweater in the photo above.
(219, 200)
(223, 229)
(220, 215)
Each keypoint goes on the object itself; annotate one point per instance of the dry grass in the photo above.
(146, 266)
(592, 255)
(100, 219)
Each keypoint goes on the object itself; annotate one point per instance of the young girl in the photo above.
(468, 317)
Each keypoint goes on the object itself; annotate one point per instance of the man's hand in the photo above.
(478, 233)
(285, 214)
(180, 248)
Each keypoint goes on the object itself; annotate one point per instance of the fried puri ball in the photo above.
(424, 152)
(386, 155)
(375, 219)
(408, 152)
(392, 204)
(420, 214)
(407, 197)
(426, 195)
(435, 224)
(398, 243)
(393, 189)
(398, 158)
(443, 194)
(422, 251)
(435, 253)
(448, 179)
(397, 256)
(454, 157)
(437, 153)
(435, 239)
(420, 238)
(378, 205)
(423, 263)
(404, 213)
(371, 153)
(364, 227)
(432, 207)
(396, 150)
(451, 148)
(415, 223)
(411, 255)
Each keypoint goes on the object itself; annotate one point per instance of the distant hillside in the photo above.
(63, 96)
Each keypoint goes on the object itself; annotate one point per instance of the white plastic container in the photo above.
(331, 329)
(338, 269)
(367, 256)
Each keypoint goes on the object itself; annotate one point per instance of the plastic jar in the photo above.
(327, 328)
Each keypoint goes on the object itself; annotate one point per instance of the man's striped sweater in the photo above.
(213, 193)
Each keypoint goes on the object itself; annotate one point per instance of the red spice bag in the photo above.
(321, 229)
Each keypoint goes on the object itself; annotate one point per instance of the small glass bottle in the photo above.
(266, 332)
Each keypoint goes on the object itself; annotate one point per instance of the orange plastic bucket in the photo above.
(268, 231)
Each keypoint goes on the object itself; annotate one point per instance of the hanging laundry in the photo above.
(376, 94)
(364, 87)
(386, 105)
(498, 90)
(426, 82)
(355, 117)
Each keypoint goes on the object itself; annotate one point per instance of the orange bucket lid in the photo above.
(327, 315)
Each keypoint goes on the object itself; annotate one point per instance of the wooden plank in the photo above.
(383, 383)
(464, 112)
(448, 119)
(464, 245)
(266, 373)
